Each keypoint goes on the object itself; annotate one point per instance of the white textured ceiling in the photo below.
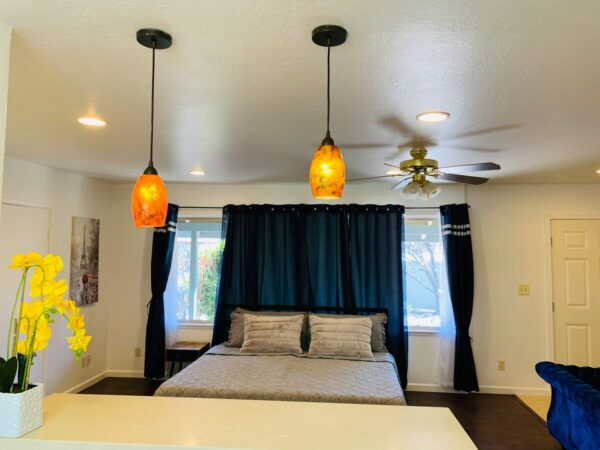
(241, 92)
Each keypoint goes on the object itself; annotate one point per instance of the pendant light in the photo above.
(149, 197)
(327, 170)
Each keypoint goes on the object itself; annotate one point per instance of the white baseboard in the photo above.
(506, 390)
(417, 387)
(86, 384)
(125, 373)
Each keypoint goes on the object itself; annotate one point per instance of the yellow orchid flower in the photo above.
(32, 310)
(24, 261)
(79, 342)
(76, 323)
(42, 335)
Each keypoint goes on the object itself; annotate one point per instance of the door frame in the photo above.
(548, 284)
(27, 204)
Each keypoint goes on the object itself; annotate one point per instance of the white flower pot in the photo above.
(21, 413)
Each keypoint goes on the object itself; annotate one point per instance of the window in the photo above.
(425, 272)
(196, 256)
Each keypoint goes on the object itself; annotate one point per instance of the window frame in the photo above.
(435, 215)
(212, 217)
(199, 216)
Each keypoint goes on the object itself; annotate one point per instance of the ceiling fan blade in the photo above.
(472, 148)
(475, 167)
(461, 178)
(399, 185)
(364, 146)
(396, 125)
(373, 178)
(485, 131)
(391, 165)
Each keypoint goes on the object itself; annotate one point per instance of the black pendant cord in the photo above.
(151, 162)
(328, 84)
(156, 40)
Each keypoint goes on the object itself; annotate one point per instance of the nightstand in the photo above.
(185, 352)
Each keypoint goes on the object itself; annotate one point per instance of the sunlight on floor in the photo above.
(539, 404)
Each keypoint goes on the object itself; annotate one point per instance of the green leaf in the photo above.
(21, 373)
(7, 374)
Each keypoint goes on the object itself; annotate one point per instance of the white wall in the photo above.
(509, 223)
(512, 245)
(67, 195)
(5, 35)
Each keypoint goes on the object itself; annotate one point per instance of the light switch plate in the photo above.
(523, 289)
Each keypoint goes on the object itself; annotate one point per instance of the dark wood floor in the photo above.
(492, 421)
(123, 386)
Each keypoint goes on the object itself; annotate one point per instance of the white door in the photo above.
(22, 229)
(576, 291)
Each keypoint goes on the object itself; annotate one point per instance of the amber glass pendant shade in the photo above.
(327, 170)
(327, 173)
(149, 201)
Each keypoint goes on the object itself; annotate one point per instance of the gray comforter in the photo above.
(224, 372)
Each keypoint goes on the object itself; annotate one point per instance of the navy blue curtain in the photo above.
(302, 255)
(456, 233)
(279, 255)
(163, 243)
(376, 267)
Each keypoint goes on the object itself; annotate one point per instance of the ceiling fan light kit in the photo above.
(419, 168)
(149, 200)
(327, 175)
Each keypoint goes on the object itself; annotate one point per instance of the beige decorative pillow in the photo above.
(236, 330)
(379, 322)
(340, 336)
(272, 334)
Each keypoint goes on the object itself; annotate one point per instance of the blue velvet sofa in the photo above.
(574, 415)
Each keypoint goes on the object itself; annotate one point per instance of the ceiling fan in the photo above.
(419, 169)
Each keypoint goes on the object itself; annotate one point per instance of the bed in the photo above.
(225, 372)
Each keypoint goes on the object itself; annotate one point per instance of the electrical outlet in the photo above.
(501, 364)
(523, 289)
(138, 352)
(86, 360)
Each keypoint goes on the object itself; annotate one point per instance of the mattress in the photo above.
(224, 372)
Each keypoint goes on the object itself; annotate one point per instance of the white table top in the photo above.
(90, 422)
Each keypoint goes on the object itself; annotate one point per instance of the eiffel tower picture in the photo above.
(84, 260)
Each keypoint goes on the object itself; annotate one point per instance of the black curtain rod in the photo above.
(220, 207)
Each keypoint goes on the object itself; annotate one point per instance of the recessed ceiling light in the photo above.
(197, 172)
(598, 171)
(433, 116)
(394, 172)
(91, 121)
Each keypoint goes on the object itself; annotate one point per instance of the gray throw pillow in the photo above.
(345, 336)
(236, 329)
(272, 334)
(379, 322)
